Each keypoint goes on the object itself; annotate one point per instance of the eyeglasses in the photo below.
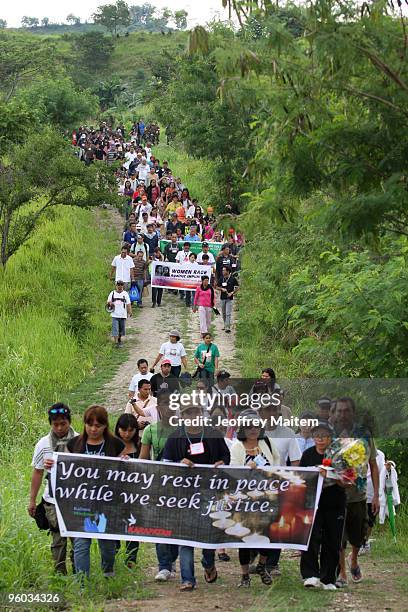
(58, 411)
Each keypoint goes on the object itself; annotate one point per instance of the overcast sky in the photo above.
(199, 11)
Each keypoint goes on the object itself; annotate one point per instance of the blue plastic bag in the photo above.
(134, 294)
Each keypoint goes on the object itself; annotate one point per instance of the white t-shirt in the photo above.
(120, 301)
(190, 211)
(129, 158)
(136, 378)
(43, 446)
(183, 257)
(380, 458)
(211, 259)
(285, 441)
(173, 351)
(123, 266)
(143, 171)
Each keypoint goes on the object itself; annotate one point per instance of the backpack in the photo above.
(118, 299)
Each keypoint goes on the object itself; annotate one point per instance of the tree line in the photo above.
(117, 17)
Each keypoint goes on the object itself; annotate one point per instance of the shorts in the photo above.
(371, 515)
(118, 327)
(356, 523)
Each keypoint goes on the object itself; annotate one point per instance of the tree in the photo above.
(23, 59)
(180, 18)
(39, 175)
(45, 22)
(29, 22)
(59, 103)
(3, 24)
(112, 16)
(94, 50)
(71, 18)
(141, 16)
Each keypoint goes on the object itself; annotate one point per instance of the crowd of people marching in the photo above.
(158, 206)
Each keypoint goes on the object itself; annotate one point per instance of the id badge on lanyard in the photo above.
(196, 448)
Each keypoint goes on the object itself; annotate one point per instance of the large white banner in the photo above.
(179, 276)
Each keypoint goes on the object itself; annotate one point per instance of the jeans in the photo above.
(157, 295)
(226, 309)
(118, 327)
(82, 555)
(139, 284)
(166, 555)
(186, 554)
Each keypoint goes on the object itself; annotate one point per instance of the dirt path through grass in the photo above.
(383, 588)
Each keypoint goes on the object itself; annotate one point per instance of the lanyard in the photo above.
(202, 436)
(100, 450)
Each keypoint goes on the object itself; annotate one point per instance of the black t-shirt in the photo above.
(112, 447)
(160, 383)
(171, 251)
(333, 496)
(229, 284)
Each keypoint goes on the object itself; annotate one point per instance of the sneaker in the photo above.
(312, 583)
(224, 557)
(109, 574)
(329, 587)
(365, 549)
(274, 570)
(227, 331)
(263, 573)
(163, 576)
(153, 305)
(244, 582)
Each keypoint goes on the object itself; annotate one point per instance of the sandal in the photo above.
(355, 572)
(187, 586)
(264, 574)
(210, 575)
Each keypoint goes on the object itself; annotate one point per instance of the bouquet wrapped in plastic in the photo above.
(347, 459)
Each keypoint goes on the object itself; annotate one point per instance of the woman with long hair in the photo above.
(127, 430)
(253, 449)
(96, 439)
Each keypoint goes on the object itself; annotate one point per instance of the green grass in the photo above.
(64, 265)
(132, 54)
(196, 175)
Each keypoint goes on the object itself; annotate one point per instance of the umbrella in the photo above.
(390, 506)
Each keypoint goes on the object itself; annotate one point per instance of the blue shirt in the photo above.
(190, 238)
(129, 237)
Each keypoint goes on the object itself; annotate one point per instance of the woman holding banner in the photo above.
(96, 439)
(253, 449)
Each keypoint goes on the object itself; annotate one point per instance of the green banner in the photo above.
(196, 247)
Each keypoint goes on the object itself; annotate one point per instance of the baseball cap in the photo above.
(323, 425)
(165, 361)
(205, 244)
(223, 374)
